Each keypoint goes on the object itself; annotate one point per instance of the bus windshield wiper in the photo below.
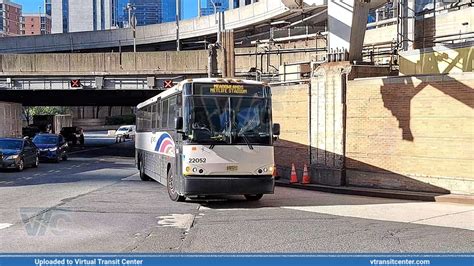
(246, 139)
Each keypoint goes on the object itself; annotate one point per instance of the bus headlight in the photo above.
(193, 170)
(265, 170)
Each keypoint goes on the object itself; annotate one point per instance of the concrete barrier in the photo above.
(10, 119)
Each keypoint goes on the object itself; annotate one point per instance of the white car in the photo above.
(126, 132)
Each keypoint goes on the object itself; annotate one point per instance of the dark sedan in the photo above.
(18, 154)
(52, 147)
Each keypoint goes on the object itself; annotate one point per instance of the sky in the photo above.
(32, 6)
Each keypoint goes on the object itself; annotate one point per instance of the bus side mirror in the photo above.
(276, 129)
(178, 123)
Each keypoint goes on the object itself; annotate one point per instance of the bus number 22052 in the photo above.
(197, 160)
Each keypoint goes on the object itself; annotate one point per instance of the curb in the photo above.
(384, 193)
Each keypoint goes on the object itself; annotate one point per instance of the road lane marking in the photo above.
(4, 225)
(182, 221)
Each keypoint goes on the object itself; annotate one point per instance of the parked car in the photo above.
(125, 132)
(18, 154)
(73, 135)
(51, 147)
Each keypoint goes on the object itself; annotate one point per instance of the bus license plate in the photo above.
(232, 168)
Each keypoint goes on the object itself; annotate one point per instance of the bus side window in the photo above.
(158, 114)
(164, 116)
(172, 112)
(153, 117)
(140, 120)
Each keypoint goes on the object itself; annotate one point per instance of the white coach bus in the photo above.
(208, 137)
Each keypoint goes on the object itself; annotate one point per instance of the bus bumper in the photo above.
(217, 185)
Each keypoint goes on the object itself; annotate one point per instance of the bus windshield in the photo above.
(228, 120)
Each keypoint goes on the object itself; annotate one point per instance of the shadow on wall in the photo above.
(287, 152)
(398, 100)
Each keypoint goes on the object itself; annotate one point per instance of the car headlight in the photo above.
(12, 157)
(53, 149)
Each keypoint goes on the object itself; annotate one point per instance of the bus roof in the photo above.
(178, 87)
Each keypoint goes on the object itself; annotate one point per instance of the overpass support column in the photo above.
(227, 54)
(10, 119)
(347, 22)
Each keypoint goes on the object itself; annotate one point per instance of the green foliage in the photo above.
(30, 111)
(47, 110)
(120, 120)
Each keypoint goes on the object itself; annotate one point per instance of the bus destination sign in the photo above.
(229, 89)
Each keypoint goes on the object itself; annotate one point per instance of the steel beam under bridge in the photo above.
(77, 97)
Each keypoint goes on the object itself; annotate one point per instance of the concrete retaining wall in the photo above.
(168, 62)
(10, 119)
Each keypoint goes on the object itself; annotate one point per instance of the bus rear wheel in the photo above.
(143, 176)
(170, 185)
(253, 197)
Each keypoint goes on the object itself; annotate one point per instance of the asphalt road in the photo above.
(95, 202)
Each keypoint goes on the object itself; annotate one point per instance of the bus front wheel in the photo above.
(253, 197)
(170, 185)
(143, 176)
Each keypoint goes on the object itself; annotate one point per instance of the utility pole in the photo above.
(178, 17)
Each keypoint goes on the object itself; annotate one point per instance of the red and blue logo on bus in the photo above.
(165, 145)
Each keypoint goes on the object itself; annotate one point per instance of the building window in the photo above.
(65, 16)
(102, 15)
(94, 14)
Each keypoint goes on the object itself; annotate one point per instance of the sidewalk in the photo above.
(388, 207)
(383, 193)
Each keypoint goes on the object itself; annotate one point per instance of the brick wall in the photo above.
(290, 109)
(411, 133)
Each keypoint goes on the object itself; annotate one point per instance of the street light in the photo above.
(218, 21)
(129, 8)
(132, 22)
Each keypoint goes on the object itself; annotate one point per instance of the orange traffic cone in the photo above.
(306, 177)
(293, 178)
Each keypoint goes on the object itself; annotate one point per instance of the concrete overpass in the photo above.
(77, 97)
(257, 16)
(346, 23)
